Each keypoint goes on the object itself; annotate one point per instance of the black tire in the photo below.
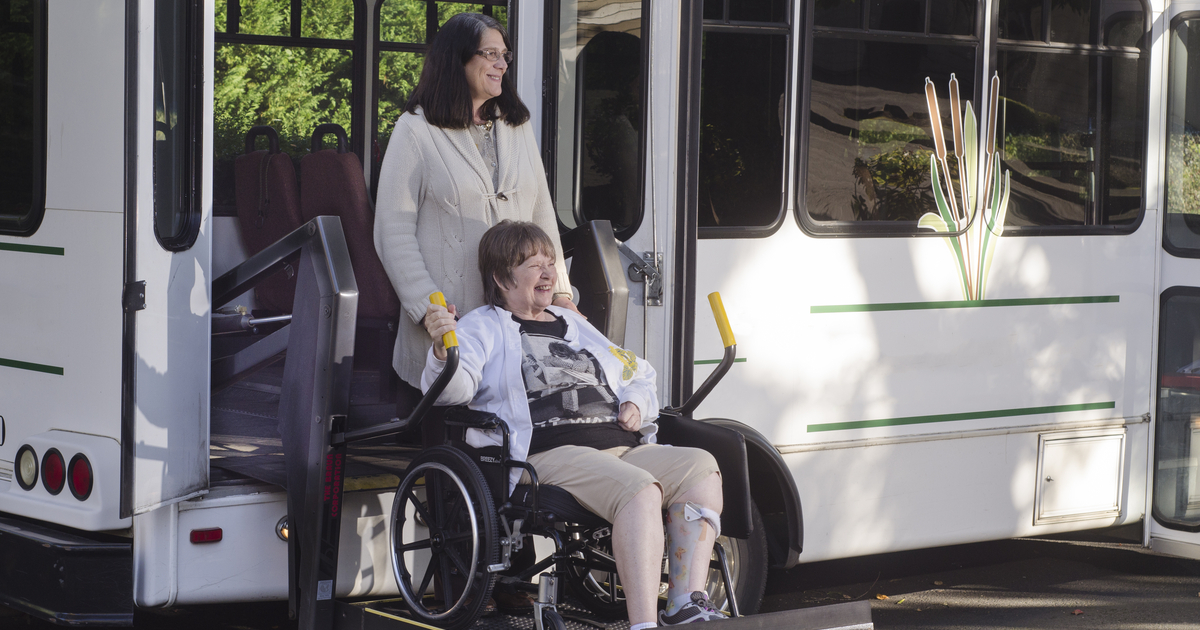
(453, 530)
(551, 620)
(747, 566)
(592, 574)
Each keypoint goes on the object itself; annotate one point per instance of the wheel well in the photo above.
(774, 491)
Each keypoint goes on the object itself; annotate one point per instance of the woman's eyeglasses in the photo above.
(491, 54)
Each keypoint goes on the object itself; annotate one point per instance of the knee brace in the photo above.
(693, 512)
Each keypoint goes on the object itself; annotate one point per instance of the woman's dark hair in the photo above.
(504, 246)
(442, 91)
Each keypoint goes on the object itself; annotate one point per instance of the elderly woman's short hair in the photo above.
(504, 246)
(443, 92)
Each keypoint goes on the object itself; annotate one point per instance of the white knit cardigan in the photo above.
(435, 201)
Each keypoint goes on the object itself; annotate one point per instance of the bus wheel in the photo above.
(747, 567)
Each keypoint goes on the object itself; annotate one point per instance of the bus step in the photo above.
(389, 615)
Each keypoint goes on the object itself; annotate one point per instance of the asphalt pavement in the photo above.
(1098, 582)
(1104, 581)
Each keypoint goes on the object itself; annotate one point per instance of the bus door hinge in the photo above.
(135, 296)
(646, 268)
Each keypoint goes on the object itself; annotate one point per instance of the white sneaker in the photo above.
(699, 609)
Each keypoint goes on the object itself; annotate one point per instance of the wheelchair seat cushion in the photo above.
(558, 502)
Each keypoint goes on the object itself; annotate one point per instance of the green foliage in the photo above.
(1183, 173)
(292, 89)
(895, 186)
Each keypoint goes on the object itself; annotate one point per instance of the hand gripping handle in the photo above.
(450, 340)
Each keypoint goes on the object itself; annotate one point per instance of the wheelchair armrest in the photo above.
(728, 447)
(463, 416)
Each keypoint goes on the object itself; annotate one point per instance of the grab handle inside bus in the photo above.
(697, 397)
(718, 309)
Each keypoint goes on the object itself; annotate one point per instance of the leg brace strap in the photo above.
(693, 512)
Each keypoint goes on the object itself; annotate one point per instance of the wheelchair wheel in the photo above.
(551, 620)
(443, 538)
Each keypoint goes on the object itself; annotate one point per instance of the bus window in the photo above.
(596, 168)
(869, 134)
(403, 29)
(1181, 230)
(743, 79)
(1072, 111)
(284, 63)
(22, 116)
(177, 69)
(1177, 430)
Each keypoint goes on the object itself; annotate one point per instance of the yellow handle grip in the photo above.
(449, 339)
(718, 309)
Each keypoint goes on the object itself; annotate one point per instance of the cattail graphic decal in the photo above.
(972, 217)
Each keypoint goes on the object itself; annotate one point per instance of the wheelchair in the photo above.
(455, 528)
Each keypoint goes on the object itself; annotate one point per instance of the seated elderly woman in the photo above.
(581, 411)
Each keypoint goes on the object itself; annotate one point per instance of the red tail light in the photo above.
(54, 471)
(210, 535)
(79, 477)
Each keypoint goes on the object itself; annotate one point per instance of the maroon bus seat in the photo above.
(332, 183)
(268, 208)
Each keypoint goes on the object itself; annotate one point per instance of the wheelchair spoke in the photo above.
(449, 597)
(457, 538)
(455, 509)
(413, 546)
(433, 481)
(418, 507)
(458, 563)
(429, 571)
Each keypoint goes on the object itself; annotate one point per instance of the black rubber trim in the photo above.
(129, 324)
(27, 224)
(691, 39)
(1164, 297)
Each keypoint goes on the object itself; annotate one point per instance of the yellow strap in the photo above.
(449, 339)
(718, 309)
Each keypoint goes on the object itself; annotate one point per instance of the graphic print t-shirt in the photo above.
(570, 402)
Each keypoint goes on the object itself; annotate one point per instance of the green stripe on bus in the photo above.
(32, 367)
(33, 249)
(924, 306)
(950, 417)
(713, 361)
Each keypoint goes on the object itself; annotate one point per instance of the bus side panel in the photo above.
(67, 308)
(868, 341)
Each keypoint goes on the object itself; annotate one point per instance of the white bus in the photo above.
(910, 376)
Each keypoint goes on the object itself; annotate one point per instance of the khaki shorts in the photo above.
(604, 481)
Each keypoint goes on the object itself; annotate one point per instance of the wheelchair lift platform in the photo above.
(389, 615)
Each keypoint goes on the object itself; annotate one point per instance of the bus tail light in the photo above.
(54, 471)
(27, 467)
(211, 535)
(79, 477)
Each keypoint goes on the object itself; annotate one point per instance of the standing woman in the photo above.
(461, 159)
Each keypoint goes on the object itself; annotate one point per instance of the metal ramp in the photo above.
(389, 615)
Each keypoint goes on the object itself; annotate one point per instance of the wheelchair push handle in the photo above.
(698, 396)
(450, 340)
(424, 405)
